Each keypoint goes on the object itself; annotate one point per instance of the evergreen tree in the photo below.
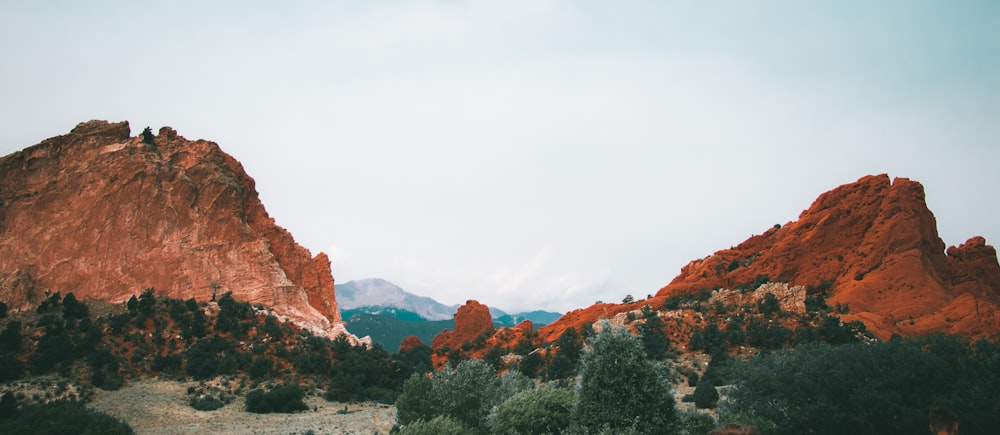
(621, 390)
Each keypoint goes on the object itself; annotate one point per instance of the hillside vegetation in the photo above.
(768, 355)
(231, 347)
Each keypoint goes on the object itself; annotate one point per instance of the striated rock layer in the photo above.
(105, 215)
(872, 245)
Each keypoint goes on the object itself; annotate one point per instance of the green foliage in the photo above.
(758, 281)
(653, 335)
(147, 137)
(531, 364)
(816, 303)
(206, 403)
(390, 331)
(871, 388)
(363, 373)
(49, 303)
(466, 394)
(55, 347)
(234, 317)
(705, 394)
(620, 389)
(3, 309)
(284, 398)
(10, 338)
(62, 418)
(694, 423)
(766, 334)
(769, 305)
(10, 368)
(414, 360)
(536, 411)
(710, 339)
(628, 299)
(212, 356)
(74, 309)
(8, 405)
(440, 425)
(417, 402)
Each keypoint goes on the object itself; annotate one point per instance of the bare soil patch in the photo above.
(161, 407)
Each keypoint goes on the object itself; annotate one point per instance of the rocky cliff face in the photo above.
(105, 215)
(872, 245)
(471, 321)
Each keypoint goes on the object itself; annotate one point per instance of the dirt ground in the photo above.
(161, 407)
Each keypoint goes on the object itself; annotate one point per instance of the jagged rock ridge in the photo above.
(874, 245)
(105, 215)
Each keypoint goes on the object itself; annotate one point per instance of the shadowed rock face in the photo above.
(876, 242)
(105, 215)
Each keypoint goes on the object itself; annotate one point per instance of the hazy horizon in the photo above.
(533, 154)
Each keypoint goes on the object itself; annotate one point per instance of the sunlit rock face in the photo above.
(471, 320)
(871, 245)
(104, 215)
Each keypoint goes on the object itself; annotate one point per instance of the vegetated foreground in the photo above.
(152, 406)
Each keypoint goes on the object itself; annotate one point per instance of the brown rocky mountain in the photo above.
(105, 215)
(871, 245)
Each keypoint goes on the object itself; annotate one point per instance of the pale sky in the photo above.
(533, 154)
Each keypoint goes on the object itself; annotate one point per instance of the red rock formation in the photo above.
(105, 215)
(410, 343)
(876, 242)
(471, 321)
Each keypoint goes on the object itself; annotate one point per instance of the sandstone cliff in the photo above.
(472, 320)
(105, 215)
(872, 245)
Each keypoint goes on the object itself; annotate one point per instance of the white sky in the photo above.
(533, 154)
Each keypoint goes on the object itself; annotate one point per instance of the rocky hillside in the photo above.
(872, 246)
(104, 215)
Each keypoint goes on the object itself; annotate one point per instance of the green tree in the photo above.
(440, 425)
(870, 388)
(652, 334)
(74, 309)
(620, 389)
(769, 305)
(705, 394)
(467, 394)
(536, 411)
(416, 402)
(283, 398)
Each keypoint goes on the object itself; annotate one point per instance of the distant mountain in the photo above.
(378, 296)
(537, 318)
(374, 295)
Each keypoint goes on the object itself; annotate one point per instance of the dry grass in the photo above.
(161, 407)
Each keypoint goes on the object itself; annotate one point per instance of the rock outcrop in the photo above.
(105, 215)
(472, 320)
(410, 342)
(871, 245)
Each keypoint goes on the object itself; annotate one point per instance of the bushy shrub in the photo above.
(871, 388)
(467, 394)
(10, 368)
(705, 395)
(537, 410)
(694, 423)
(206, 403)
(284, 398)
(440, 425)
(62, 418)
